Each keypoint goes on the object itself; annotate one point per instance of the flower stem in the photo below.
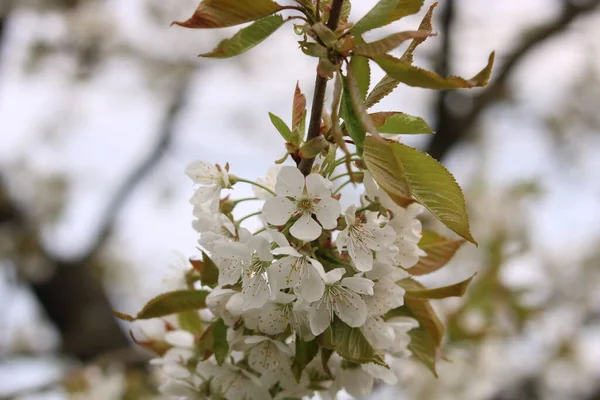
(245, 199)
(336, 191)
(254, 214)
(343, 160)
(257, 185)
(345, 174)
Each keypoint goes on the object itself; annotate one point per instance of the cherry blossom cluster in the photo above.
(312, 264)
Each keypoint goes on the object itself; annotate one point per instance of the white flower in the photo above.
(275, 316)
(234, 383)
(310, 196)
(297, 271)
(360, 238)
(267, 355)
(213, 227)
(406, 250)
(268, 182)
(250, 260)
(213, 177)
(342, 297)
(375, 193)
(226, 304)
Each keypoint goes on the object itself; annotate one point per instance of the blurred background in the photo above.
(102, 106)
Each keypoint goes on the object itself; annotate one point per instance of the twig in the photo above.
(314, 126)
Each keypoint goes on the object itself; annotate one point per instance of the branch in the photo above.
(316, 113)
(452, 128)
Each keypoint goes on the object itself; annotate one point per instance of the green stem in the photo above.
(345, 174)
(245, 199)
(257, 185)
(259, 231)
(343, 160)
(254, 214)
(341, 187)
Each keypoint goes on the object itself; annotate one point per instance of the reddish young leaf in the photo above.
(222, 13)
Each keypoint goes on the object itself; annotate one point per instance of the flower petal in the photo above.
(255, 291)
(351, 309)
(272, 319)
(306, 229)
(180, 339)
(317, 186)
(350, 215)
(386, 296)
(358, 285)
(319, 316)
(327, 211)
(312, 286)
(357, 382)
(204, 173)
(290, 182)
(361, 255)
(334, 275)
(278, 210)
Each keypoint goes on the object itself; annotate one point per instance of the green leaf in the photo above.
(246, 38)
(398, 123)
(325, 34)
(386, 12)
(405, 172)
(190, 321)
(305, 352)
(418, 77)
(209, 275)
(387, 84)
(384, 87)
(281, 127)
(426, 26)
(352, 345)
(222, 13)
(388, 43)
(298, 116)
(169, 303)
(362, 73)
(455, 290)
(424, 348)
(214, 341)
(313, 147)
(439, 251)
(353, 125)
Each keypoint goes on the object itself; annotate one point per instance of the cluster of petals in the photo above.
(309, 266)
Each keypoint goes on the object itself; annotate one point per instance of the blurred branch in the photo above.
(73, 297)
(451, 127)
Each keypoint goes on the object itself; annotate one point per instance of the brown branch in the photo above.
(316, 113)
(452, 128)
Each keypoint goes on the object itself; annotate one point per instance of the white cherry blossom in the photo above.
(275, 316)
(268, 182)
(298, 271)
(234, 383)
(362, 237)
(406, 250)
(342, 297)
(249, 259)
(267, 355)
(213, 178)
(304, 198)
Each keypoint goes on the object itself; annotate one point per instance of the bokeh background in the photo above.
(102, 105)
